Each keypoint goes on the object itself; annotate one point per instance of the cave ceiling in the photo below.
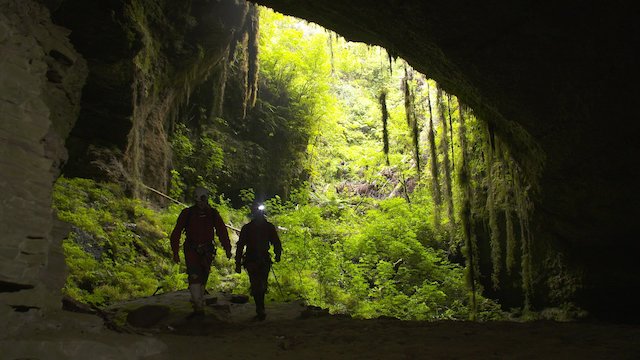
(557, 70)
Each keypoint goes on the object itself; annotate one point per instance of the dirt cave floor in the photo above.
(295, 331)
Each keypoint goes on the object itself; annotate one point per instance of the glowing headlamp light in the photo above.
(261, 207)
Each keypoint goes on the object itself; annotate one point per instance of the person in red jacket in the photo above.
(257, 236)
(199, 222)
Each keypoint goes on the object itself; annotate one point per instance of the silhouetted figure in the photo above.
(198, 223)
(257, 236)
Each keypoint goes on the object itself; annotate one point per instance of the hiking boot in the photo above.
(197, 299)
(197, 313)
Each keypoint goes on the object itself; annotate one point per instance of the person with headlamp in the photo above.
(199, 222)
(257, 236)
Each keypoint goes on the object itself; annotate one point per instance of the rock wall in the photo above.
(145, 58)
(40, 84)
(42, 91)
(114, 110)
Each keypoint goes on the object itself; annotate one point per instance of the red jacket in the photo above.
(200, 225)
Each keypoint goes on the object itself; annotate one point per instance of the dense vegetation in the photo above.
(382, 185)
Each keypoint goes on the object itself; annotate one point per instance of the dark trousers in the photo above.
(258, 277)
(198, 263)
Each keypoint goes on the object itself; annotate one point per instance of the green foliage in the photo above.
(199, 158)
(365, 258)
(369, 264)
(118, 247)
(347, 255)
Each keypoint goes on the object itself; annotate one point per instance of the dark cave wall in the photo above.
(145, 58)
(553, 80)
(110, 78)
(41, 78)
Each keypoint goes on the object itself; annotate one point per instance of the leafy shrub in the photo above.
(118, 248)
(368, 265)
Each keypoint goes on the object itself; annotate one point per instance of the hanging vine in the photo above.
(252, 48)
(412, 122)
(453, 158)
(493, 165)
(433, 155)
(470, 248)
(524, 209)
(385, 119)
(220, 83)
(332, 58)
(508, 194)
(444, 142)
(510, 260)
(391, 56)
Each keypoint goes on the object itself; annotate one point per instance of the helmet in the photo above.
(257, 209)
(201, 193)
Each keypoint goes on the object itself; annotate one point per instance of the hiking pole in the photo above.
(277, 282)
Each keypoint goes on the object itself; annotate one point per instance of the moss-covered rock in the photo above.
(146, 58)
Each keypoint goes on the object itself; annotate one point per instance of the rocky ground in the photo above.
(159, 327)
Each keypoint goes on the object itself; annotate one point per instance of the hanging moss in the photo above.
(415, 132)
(433, 154)
(523, 210)
(508, 190)
(409, 106)
(241, 62)
(391, 57)
(492, 165)
(219, 85)
(444, 142)
(252, 49)
(453, 162)
(330, 43)
(385, 118)
(243, 58)
(508, 194)
(511, 244)
(470, 249)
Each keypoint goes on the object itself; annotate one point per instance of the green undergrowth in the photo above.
(379, 258)
(118, 248)
(373, 259)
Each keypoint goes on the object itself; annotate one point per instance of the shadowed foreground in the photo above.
(293, 331)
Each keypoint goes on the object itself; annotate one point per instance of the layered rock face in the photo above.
(40, 84)
(113, 110)
(146, 58)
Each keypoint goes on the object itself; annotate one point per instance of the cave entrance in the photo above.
(380, 181)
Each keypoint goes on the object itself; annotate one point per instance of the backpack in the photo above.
(203, 248)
